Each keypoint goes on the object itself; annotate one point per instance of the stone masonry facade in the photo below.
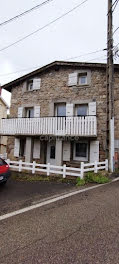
(54, 88)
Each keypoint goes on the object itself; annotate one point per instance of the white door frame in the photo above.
(50, 160)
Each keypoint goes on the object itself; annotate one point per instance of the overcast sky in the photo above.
(82, 31)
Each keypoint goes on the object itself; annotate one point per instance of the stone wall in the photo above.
(54, 88)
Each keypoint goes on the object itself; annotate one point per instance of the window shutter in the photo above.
(73, 79)
(36, 149)
(24, 87)
(36, 111)
(92, 108)
(94, 151)
(20, 112)
(16, 147)
(36, 83)
(69, 109)
(66, 151)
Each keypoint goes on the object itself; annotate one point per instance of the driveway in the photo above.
(19, 194)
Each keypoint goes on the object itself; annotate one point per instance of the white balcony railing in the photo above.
(58, 126)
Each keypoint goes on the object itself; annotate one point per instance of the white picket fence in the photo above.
(60, 170)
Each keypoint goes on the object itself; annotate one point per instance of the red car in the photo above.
(4, 171)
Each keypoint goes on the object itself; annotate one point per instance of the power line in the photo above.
(102, 57)
(115, 30)
(116, 3)
(36, 67)
(45, 26)
(25, 12)
(86, 54)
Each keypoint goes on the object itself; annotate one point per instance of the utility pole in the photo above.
(110, 90)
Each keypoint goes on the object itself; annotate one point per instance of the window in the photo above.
(52, 152)
(81, 151)
(82, 79)
(30, 85)
(22, 147)
(81, 110)
(60, 110)
(30, 112)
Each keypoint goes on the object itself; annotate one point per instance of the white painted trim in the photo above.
(74, 151)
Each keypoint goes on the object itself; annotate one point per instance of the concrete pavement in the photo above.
(81, 229)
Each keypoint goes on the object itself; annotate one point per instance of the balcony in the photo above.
(54, 126)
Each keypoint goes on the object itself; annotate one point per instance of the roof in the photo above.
(54, 64)
(4, 102)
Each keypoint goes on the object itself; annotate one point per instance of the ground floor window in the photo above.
(52, 152)
(80, 151)
(22, 147)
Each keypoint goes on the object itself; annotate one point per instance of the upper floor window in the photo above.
(60, 109)
(30, 112)
(82, 79)
(33, 84)
(30, 85)
(81, 110)
(79, 78)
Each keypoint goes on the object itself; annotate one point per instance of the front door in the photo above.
(51, 153)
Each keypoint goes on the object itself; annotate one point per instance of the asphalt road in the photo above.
(18, 194)
(82, 229)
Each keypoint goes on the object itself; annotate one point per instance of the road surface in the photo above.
(82, 229)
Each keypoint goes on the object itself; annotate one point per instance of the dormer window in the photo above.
(30, 85)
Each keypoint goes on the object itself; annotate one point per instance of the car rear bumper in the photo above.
(4, 176)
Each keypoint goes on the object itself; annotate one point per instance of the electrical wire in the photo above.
(115, 5)
(86, 54)
(25, 13)
(45, 26)
(115, 30)
(36, 67)
(102, 57)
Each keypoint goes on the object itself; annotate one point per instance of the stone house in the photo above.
(58, 114)
(3, 114)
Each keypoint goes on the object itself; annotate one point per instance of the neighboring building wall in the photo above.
(3, 139)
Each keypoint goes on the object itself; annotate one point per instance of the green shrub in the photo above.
(92, 177)
(80, 182)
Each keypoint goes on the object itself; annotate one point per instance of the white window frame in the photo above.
(80, 75)
(76, 108)
(56, 107)
(27, 109)
(28, 85)
(74, 151)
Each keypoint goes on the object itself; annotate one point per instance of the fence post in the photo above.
(95, 167)
(64, 171)
(33, 167)
(82, 170)
(20, 165)
(106, 164)
(48, 169)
